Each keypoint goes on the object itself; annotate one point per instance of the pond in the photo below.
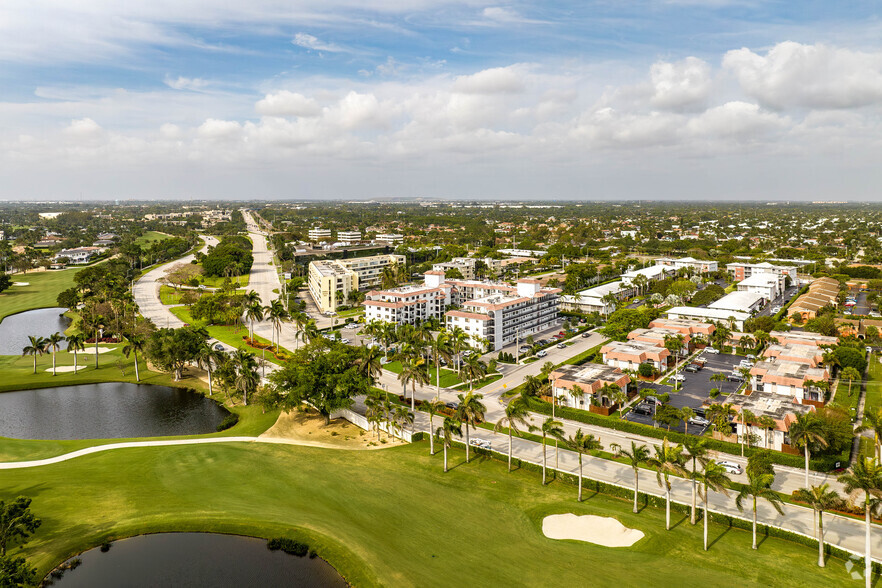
(196, 560)
(14, 329)
(107, 411)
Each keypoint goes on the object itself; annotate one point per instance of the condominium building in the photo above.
(708, 315)
(319, 234)
(741, 301)
(789, 378)
(699, 266)
(594, 299)
(742, 270)
(783, 412)
(465, 266)
(590, 378)
(807, 354)
(629, 355)
(652, 273)
(331, 281)
(769, 286)
(410, 304)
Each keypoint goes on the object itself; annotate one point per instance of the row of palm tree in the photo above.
(37, 346)
(236, 371)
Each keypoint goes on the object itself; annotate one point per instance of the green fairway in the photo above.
(388, 517)
(42, 290)
(150, 237)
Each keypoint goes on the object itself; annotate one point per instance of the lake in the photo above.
(14, 329)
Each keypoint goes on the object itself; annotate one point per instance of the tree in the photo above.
(470, 411)
(549, 428)
(865, 478)
(402, 418)
(675, 344)
(276, 313)
(637, 455)
(76, 343)
(171, 349)
(820, 498)
(247, 377)
(766, 423)
(582, 443)
(668, 460)
(441, 350)
(17, 522)
(36, 346)
(474, 369)
(413, 372)
(873, 422)
(205, 358)
(667, 415)
(433, 407)
(516, 413)
(713, 477)
(53, 344)
(446, 431)
(696, 447)
(686, 413)
(758, 486)
(369, 363)
(254, 311)
(15, 572)
(134, 344)
(807, 431)
(850, 374)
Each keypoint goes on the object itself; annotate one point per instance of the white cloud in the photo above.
(285, 103)
(683, 84)
(308, 41)
(219, 129)
(182, 83)
(808, 76)
(497, 80)
(507, 15)
(83, 127)
(736, 120)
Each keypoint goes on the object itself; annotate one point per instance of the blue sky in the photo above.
(326, 99)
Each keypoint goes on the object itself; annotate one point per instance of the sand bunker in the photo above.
(604, 531)
(21, 283)
(66, 368)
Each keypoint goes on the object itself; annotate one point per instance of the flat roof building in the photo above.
(741, 301)
(591, 378)
(709, 314)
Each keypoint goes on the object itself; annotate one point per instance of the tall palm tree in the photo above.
(474, 369)
(849, 374)
(247, 377)
(807, 430)
(76, 343)
(865, 477)
(713, 477)
(638, 455)
(549, 428)
(369, 363)
(873, 422)
(758, 486)
(433, 407)
(820, 498)
(413, 372)
(446, 431)
(516, 413)
(441, 350)
(374, 412)
(470, 411)
(134, 344)
(459, 341)
(205, 357)
(582, 443)
(668, 460)
(697, 449)
(254, 311)
(276, 313)
(402, 418)
(300, 320)
(53, 344)
(766, 423)
(719, 377)
(36, 346)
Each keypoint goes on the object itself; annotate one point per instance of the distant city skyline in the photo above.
(444, 99)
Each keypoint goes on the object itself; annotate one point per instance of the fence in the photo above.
(362, 422)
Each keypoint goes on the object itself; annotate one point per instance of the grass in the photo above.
(874, 384)
(41, 292)
(352, 507)
(448, 377)
(150, 237)
(168, 295)
(228, 334)
(217, 281)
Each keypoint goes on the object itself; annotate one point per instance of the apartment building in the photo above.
(319, 234)
(331, 281)
(699, 266)
(592, 299)
(493, 321)
(807, 354)
(590, 378)
(769, 286)
(803, 338)
(370, 269)
(410, 304)
(465, 266)
(629, 355)
(822, 292)
(652, 273)
(705, 315)
(783, 412)
(743, 270)
(739, 301)
(789, 378)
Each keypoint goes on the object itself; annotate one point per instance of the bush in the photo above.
(288, 546)
(229, 421)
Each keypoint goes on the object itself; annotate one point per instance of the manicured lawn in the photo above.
(42, 290)
(448, 377)
(168, 295)
(216, 282)
(388, 517)
(150, 237)
(229, 334)
(874, 384)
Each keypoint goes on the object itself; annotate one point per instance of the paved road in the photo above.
(146, 291)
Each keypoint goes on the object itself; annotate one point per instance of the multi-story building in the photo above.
(465, 266)
(782, 410)
(822, 292)
(79, 255)
(495, 320)
(803, 338)
(331, 281)
(699, 266)
(740, 301)
(594, 299)
(349, 236)
(652, 273)
(319, 234)
(391, 238)
(789, 378)
(743, 270)
(629, 355)
(807, 354)
(769, 286)
(410, 304)
(590, 378)
(709, 314)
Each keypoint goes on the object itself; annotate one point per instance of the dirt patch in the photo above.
(310, 428)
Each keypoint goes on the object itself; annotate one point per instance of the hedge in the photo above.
(822, 463)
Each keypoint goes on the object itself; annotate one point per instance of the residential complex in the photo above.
(768, 285)
(743, 270)
(331, 281)
(629, 355)
(465, 266)
(590, 378)
(698, 266)
(821, 292)
(782, 411)
(709, 314)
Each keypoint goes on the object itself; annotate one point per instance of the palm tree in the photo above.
(766, 423)
(253, 312)
(402, 418)
(668, 460)
(441, 350)
(713, 477)
(134, 344)
(446, 431)
(470, 411)
(686, 413)
(459, 341)
(300, 320)
(474, 369)
(865, 477)
(413, 373)
(638, 455)
(820, 498)
(433, 407)
(582, 444)
(850, 374)
(205, 355)
(374, 412)
(53, 343)
(75, 343)
(276, 313)
(675, 344)
(247, 377)
(719, 377)
(369, 363)
(873, 422)
(758, 486)
(549, 428)
(806, 431)
(696, 447)
(36, 346)
(516, 413)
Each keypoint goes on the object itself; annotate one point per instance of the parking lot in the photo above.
(695, 388)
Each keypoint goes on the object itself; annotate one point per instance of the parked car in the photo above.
(731, 467)
(652, 400)
(711, 350)
(542, 353)
(561, 345)
(344, 341)
(218, 347)
(699, 421)
(776, 309)
(750, 356)
(452, 405)
(733, 377)
(691, 368)
(678, 378)
(482, 443)
(524, 349)
(586, 334)
(643, 408)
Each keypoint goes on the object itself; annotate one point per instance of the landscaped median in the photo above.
(236, 336)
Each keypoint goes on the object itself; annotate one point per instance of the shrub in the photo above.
(289, 546)
(229, 421)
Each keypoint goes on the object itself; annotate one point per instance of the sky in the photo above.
(327, 99)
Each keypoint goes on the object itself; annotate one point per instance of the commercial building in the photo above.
(465, 266)
(629, 355)
(740, 301)
(743, 270)
(319, 234)
(783, 413)
(699, 266)
(349, 236)
(590, 378)
(390, 238)
(709, 314)
(331, 281)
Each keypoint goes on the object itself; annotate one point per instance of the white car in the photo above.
(776, 309)
(699, 421)
(678, 378)
(344, 341)
(542, 353)
(482, 443)
(711, 350)
(731, 467)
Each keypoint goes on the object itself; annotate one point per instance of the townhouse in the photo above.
(794, 379)
(781, 410)
(628, 355)
(580, 386)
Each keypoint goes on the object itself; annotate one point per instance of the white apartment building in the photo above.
(699, 266)
(391, 238)
(769, 286)
(740, 301)
(706, 315)
(465, 265)
(494, 321)
(349, 236)
(653, 273)
(331, 281)
(592, 299)
(410, 304)
(741, 270)
(319, 234)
